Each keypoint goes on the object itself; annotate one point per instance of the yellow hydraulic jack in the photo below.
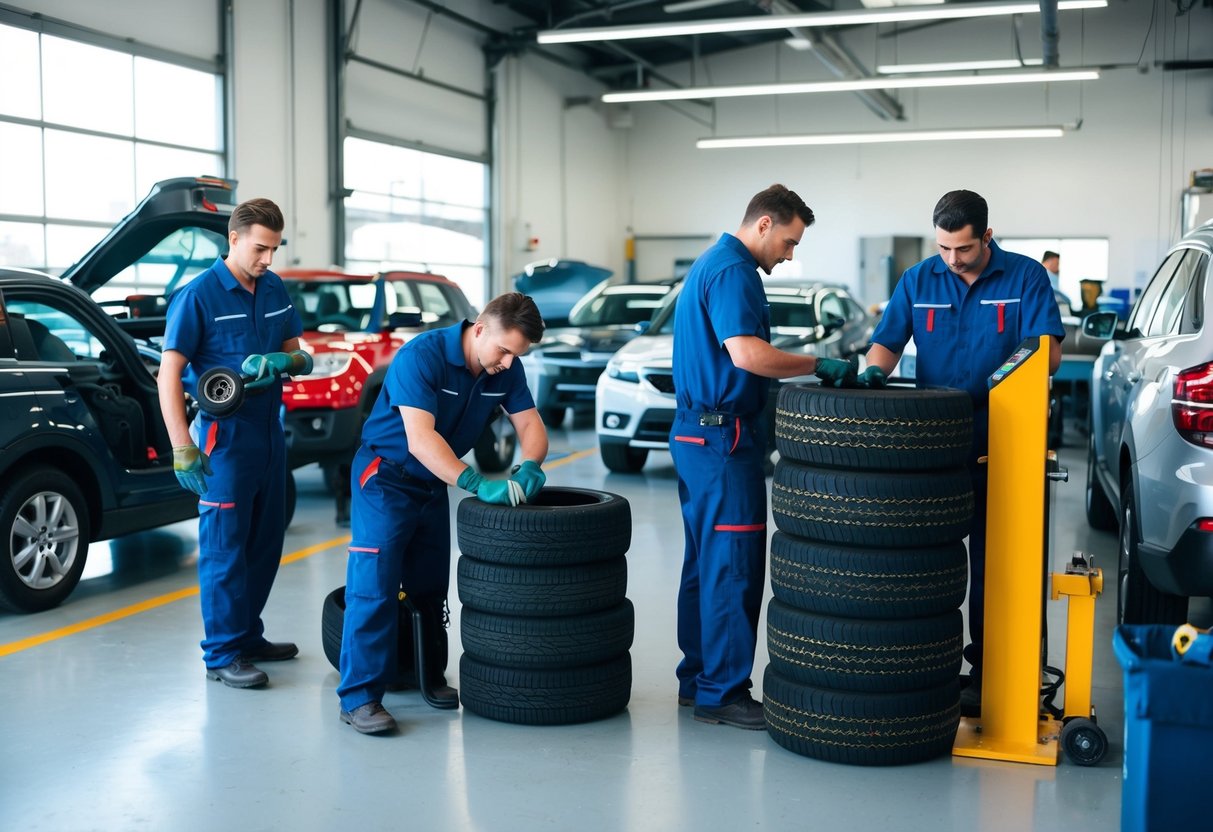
(1015, 723)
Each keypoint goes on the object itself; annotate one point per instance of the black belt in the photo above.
(716, 418)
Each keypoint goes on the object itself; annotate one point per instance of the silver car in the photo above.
(1150, 468)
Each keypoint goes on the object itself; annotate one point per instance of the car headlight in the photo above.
(624, 370)
(327, 364)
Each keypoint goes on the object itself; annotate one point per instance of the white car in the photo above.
(634, 400)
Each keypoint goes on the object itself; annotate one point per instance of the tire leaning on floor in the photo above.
(542, 590)
(862, 508)
(882, 583)
(548, 643)
(867, 656)
(893, 429)
(870, 729)
(545, 697)
(561, 526)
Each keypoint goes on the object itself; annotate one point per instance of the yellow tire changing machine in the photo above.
(1014, 724)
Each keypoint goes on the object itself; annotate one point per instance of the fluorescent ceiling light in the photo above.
(883, 137)
(799, 44)
(937, 11)
(914, 82)
(956, 66)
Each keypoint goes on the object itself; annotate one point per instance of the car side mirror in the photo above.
(643, 326)
(404, 320)
(832, 322)
(1099, 325)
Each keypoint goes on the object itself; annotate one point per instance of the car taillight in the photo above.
(1192, 404)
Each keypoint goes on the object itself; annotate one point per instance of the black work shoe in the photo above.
(238, 674)
(685, 701)
(272, 651)
(371, 718)
(970, 701)
(740, 713)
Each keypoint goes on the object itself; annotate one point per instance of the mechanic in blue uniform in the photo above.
(440, 391)
(237, 315)
(967, 309)
(723, 360)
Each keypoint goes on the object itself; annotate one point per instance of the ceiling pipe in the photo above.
(1048, 33)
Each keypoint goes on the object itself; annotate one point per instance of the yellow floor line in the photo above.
(170, 597)
(144, 606)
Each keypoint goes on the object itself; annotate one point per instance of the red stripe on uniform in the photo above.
(930, 320)
(752, 527)
(1002, 317)
(216, 505)
(694, 440)
(371, 470)
(212, 436)
(374, 551)
(736, 434)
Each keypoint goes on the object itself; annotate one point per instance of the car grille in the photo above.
(664, 382)
(655, 425)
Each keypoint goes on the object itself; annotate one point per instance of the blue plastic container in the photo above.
(1168, 733)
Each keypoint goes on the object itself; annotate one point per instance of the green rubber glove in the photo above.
(872, 378)
(835, 372)
(265, 369)
(530, 476)
(498, 492)
(191, 467)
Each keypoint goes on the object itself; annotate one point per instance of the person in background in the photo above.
(1051, 260)
(440, 391)
(968, 308)
(237, 315)
(723, 361)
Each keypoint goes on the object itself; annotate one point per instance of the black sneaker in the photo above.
(743, 712)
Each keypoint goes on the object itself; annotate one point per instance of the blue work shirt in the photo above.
(963, 333)
(721, 297)
(431, 374)
(214, 322)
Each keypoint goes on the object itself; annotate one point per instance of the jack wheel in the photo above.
(1084, 742)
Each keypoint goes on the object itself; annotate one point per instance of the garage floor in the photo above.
(109, 723)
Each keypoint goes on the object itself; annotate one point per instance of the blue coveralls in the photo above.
(213, 321)
(963, 333)
(399, 511)
(718, 444)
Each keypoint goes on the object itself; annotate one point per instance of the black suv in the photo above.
(84, 453)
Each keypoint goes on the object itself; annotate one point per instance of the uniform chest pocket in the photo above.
(1001, 315)
(230, 331)
(273, 326)
(934, 320)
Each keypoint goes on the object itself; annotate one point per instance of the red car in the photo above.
(353, 324)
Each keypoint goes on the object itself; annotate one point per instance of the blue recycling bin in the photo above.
(1168, 733)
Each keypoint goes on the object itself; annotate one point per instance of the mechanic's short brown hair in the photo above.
(780, 204)
(514, 310)
(258, 211)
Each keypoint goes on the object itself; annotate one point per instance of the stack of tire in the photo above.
(545, 624)
(872, 500)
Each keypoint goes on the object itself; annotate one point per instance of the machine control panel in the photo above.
(1022, 353)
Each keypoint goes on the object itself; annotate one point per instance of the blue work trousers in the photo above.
(241, 525)
(724, 516)
(401, 539)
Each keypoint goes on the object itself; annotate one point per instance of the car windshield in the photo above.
(332, 306)
(616, 309)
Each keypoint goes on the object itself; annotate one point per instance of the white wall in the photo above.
(1119, 176)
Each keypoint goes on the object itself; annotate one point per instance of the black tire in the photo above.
(621, 458)
(866, 729)
(220, 392)
(1084, 742)
(332, 625)
(547, 643)
(895, 429)
(1137, 600)
(553, 416)
(1101, 514)
(868, 583)
(545, 697)
(44, 527)
(542, 590)
(872, 508)
(494, 450)
(562, 526)
(867, 656)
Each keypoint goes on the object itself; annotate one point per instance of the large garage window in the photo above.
(418, 211)
(85, 131)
